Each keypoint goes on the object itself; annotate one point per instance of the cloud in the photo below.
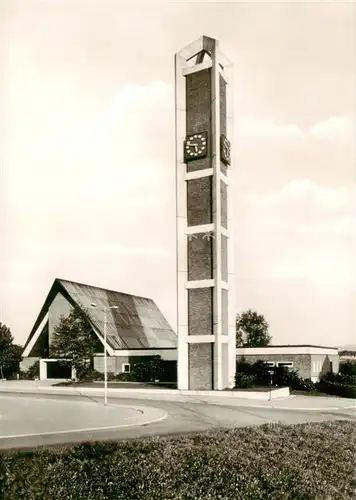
(307, 232)
(325, 198)
(335, 127)
(113, 154)
(135, 96)
(306, 193)
(143, 114)
(249, 126)
(343, 225)
(335, 269)
(98, 249)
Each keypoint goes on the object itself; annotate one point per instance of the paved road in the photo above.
(23, 416)
(63, 413)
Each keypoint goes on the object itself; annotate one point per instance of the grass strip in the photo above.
(274, 461)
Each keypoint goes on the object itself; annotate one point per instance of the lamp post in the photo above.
(105, 309)
(271, 372)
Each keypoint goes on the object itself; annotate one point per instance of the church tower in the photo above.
(205, 248)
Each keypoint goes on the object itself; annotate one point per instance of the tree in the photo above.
(33, 371)
(5, 335)
(74, 340)
(251, 330)
(10, 353)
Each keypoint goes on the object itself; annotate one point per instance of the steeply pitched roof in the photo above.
(137, 323)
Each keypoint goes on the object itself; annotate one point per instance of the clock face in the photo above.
(225, 150)
(196, 146)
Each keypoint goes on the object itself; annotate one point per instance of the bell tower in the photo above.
(205, 249)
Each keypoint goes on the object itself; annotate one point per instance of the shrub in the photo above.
(290, 378)
(307, 384)
(244, 367)
(347, 374)
(258, 374)
(90, 374)
(12, 376)
(125, 377)
(261, 370)
(98, 375)
(111, 376)
(23, 375)
(347, 379)
(336, 388)
(83, 370)
(147, 369)
(244, 380)
(348, 368)
(330, 377)
(286, 377)
(340, 384)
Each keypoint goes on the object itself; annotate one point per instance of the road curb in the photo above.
(324, 409)
(194, 398)
(277, 394)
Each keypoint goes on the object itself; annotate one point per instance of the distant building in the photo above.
(309, 360)
(348, 355)
(136, 328)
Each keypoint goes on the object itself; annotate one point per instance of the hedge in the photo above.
(348, 368)
(253, 375)
(244, 380)
(258, 374)
(305, 461)
(336, 388)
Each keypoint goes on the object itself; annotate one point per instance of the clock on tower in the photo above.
(225, 150)
(195, 146)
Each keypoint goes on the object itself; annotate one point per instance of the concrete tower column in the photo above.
(205, 302)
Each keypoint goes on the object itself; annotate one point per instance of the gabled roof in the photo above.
(137, 323)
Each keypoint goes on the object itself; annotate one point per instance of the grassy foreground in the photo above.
(279, 462)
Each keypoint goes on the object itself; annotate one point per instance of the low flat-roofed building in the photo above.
(310, 361)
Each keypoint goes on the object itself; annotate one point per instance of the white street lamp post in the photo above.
(105, 352)
(271, 372)
(105, 364)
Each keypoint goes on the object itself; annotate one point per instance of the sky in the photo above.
(87, 186)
